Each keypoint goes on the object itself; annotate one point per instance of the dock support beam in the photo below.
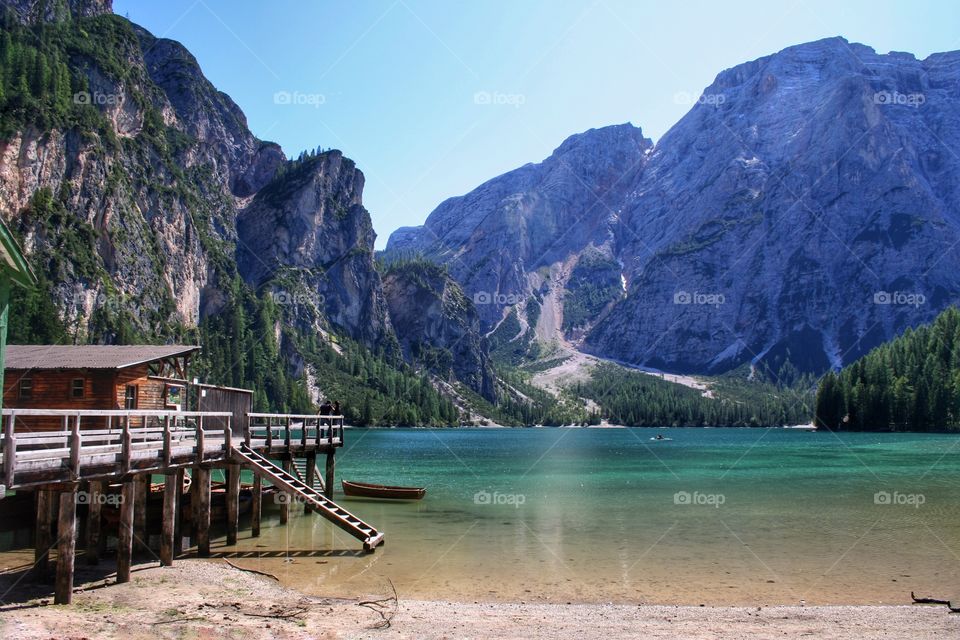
(171, 498)
(43, 536)
(256, 506)
(94, 504)
(142, 485)
(128, 496)
(202, 513)
(285, 503)
(331, 469)
(233, 503)
(66, 546)
(310, 475)
(178, 518)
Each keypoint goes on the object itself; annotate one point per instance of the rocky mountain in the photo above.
(804, 210)
(151, 212)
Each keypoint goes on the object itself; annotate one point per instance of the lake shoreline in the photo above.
(211, 599)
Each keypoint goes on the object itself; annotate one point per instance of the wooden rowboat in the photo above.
(367, 490)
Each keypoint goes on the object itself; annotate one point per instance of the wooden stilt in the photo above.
(94, 504)
(194, 503)
(142, 485)
(310, 475)
(125, 534)
(285, 502)
(331, 468)
(43, 534)
(171, 498)
(256, 506)
(66, 546)
(178, 517)
(202, 478)
(233, 502)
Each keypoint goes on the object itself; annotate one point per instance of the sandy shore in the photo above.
(210, 599)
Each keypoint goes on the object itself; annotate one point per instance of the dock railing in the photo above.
(273, 430)
(120, 440)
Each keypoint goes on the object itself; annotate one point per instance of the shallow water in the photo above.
(716, 516)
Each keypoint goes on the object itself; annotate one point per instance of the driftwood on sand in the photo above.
(950, 606)
(386, 607)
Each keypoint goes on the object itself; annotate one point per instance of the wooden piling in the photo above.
(202, 514)
(310, 475)
(178, 517)
(331, 468)
(233, 502)
(43, 534)
(66, 546)
(94, 505)
(256, 506)
(142, 487)
(125, 533)
(285, 499)
(171, 498)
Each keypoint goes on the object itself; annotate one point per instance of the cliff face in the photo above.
(438, 325)
(804, 209)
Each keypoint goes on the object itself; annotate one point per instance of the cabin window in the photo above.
(77, 388)
(130, 397)
(26, 389)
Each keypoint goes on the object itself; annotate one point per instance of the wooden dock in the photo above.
(129, 446)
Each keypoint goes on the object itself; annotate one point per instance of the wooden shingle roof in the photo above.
(90, 356)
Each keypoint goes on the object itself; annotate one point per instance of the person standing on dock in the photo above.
(325, 410)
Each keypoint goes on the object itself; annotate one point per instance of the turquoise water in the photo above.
(713, 515)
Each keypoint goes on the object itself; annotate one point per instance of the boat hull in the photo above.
(381, 491)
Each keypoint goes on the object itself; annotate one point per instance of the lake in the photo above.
(713, 516)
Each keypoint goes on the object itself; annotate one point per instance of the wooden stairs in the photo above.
(300, 471)
(316, 500)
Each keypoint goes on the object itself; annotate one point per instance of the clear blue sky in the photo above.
(394, 83)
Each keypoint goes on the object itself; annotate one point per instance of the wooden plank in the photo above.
(9, 450)
(171, 496)
(142, 485)
(285, 504)
(233, 503)
(256, 505)
(66, 546)
(43, 533)
(94, 516)
(331, 470)
(125, 533)
(178, 518)
(202, 480)
(75, 445)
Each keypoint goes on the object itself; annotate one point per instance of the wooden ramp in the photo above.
(313, 498)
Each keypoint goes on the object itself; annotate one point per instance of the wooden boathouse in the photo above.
(95, 417)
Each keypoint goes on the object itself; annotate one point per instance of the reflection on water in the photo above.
(714, 516)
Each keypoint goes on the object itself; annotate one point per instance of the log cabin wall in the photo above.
(102, 389)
